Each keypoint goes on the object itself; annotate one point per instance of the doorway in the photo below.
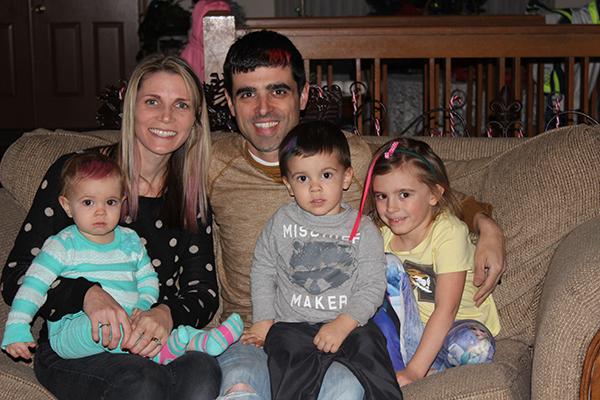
(57, 56)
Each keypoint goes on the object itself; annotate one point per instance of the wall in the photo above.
(321, 8)
(253, 8)
(570, 3)
(258, 8)
(315, 8)
(519, 6)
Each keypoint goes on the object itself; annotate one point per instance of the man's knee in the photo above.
(245, 373)
(340, 383)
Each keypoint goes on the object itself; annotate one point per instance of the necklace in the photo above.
(150, 188)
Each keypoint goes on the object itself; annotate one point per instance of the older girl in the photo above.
(430, 266)
(164, 153)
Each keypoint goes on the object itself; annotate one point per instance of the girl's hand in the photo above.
(150, 331)
(331, 335)
(106, 315)
(406, 377)
(257, 333)
(20, 349)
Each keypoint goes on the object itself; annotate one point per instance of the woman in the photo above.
(164, 153)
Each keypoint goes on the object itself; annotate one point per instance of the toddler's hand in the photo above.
(257, 333)
(331, 335)
(20, 349)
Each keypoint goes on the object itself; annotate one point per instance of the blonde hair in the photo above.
(187, 171)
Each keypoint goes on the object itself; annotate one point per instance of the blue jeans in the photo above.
(247, 364)
(108, 376)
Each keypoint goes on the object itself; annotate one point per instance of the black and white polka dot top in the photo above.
(184, 261)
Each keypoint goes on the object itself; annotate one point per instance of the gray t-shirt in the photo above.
(306, 270)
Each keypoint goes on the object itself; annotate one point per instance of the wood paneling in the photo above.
(75, 49)
(16, 80)
(66, 59)
(7, 53)
(109, 44)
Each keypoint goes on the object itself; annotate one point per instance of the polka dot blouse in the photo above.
(184, 261)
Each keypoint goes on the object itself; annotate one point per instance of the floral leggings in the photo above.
(467, 342)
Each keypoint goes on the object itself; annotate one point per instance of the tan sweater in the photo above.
(245, 194)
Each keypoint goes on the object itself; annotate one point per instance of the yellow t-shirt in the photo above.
(446, 248)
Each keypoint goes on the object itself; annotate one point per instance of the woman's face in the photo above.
(164, 114)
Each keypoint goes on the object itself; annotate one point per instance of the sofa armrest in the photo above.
(11, 217)
(568, 316)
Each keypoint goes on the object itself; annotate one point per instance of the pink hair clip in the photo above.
(389, 153)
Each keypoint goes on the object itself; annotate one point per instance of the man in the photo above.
(266, 89)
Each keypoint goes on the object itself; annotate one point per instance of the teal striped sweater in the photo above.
(121, 267)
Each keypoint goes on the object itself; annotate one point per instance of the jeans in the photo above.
(247, 364)
(194, 376)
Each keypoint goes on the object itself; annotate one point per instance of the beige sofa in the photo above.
(546, 196)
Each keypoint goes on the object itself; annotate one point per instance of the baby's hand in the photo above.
(20, 349)
(331, 335)
(257, 333)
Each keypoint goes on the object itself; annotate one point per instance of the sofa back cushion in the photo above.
(27, 160)
(540, 190)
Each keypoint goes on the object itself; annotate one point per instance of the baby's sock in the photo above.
(217, 340)
(175, 346)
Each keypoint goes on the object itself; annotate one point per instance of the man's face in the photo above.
(266, 104)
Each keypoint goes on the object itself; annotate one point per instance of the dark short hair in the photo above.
(310, 138)
(263, 49)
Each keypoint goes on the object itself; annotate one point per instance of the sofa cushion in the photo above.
(26, 161)
(540, 190)
(508, 377)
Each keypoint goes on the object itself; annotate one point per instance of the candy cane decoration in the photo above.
(490, 132)
(355, 108)
(520, 132)
(454, 101)
(557, 110)
(377, 127)
(122, 90)
(319, 91)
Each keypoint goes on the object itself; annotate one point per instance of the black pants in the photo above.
(108, 376)
(297, 367)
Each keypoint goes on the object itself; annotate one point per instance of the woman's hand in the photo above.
(150, 331)
(489, 257)
(106, 315)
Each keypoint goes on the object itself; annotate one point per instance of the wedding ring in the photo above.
(101, 325)
(156, 340)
